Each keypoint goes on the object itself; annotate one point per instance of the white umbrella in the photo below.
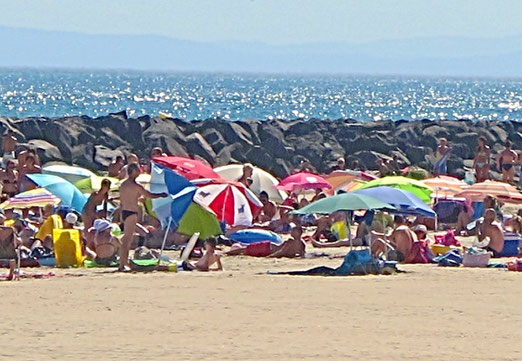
(70, 173)
(261, 180)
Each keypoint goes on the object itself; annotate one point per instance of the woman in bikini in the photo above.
(9, 179)
(481, 161)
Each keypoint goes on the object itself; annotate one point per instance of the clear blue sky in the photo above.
(271, 21)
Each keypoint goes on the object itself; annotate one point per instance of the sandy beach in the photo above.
(427, 313)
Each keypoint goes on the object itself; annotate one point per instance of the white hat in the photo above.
(71, 218)
(420, 228)
(100, 225)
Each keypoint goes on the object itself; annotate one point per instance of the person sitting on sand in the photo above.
(481, 160)
(208, 259)
(9, 179)
(340, 165)
(401, 240)
(291, 248)
(490, 234)
(269, 209)
(30, 167)
(506, 162)
(154, 153)
(90, 211)
(9, 240)
(383, 168)
(464, 218)
(130, 194)
(9, 142)
(115, 167)
(105, 247)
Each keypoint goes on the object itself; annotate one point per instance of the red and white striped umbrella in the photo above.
(232, 202)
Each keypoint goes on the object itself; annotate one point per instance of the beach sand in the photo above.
(428, 313)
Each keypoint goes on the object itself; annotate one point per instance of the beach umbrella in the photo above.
(232, 202)
(338, 178)
(502, 191)
(171, 209)
(93, 184)
(70, 173)
(39, 197)
(404, 202)
(445, 186)
(344, 202)
(351, 186)
(187, 167)
(261, 180)
(199, 219)
(66, 191)
(407, 184)
(303, 181)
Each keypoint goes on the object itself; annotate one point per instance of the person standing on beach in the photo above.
(481, 161)
(506, 162)
(130, 194)
(9, 142)
(441, 157)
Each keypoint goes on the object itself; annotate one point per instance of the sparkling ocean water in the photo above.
(189, 96)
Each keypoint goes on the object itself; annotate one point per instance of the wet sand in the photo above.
(428, 313)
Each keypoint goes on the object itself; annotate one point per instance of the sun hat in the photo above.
(100, 225)
(71, 218)
(420, 228)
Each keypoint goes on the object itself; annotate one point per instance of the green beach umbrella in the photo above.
(198, 219)
(344, 202)
(93, 184)
(406, 184)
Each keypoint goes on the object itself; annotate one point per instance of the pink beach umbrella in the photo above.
(303, 181)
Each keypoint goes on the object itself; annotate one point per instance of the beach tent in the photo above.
(407, 184)
(404, 202)
(187, 167)
(66, 191)
(303, 181)
(70, 173)
(232, 202)
(261, 180)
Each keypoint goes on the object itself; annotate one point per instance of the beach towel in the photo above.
(441, 166)
(356, 262)
(449, 259)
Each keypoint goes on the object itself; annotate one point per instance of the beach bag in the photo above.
(447, 239)
(357, 262)
(476, 258)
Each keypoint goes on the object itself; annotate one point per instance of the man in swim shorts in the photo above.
(506, 162)
(130, 194)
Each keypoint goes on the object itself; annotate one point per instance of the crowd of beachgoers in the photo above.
(63, 215)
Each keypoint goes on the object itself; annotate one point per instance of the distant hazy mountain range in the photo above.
(430, 56)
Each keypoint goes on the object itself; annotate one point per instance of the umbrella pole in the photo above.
(164, 240)
(350, 232)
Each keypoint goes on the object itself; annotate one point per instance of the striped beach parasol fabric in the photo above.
(502, 191)
(445, 186)
(39, 197)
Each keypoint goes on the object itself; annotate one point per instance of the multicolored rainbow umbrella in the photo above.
(39, 197)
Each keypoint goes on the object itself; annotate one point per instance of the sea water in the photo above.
(189, 96)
